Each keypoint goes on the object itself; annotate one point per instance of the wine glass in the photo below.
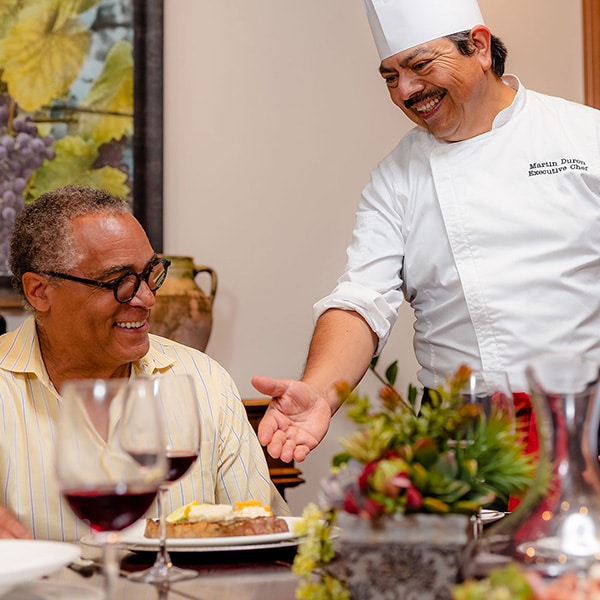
(491, 392)
(110, 456)
(177, 398)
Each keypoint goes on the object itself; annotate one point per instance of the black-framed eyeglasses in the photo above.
(126, 286)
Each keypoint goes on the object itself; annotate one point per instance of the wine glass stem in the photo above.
(111, 564)
(163, 560)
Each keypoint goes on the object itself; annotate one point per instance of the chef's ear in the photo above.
(481, 38)
(36, 288)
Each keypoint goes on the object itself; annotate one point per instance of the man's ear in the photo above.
(481, 38)
(36, 288)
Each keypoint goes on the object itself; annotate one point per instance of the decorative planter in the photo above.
(183, 312)
(405, 557)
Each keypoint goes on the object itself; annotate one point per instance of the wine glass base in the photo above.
(162, 575)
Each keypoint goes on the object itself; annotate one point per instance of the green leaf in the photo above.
(447, 465)
(420, 477)
(73, 164)
(466, 507)
(110, 98)
(86, 5)
(469, 468)
(341, 459)
(65, 11)
(42, 54)
(425, 451)
(508, 582)
(514, 578)
(391, 373)
(9, 10)
(412, 395)
(434, 505)
(454, 491)
(369, 444)
(484, 498)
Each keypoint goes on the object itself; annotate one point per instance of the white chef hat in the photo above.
(401, 24)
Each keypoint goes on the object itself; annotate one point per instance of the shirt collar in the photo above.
(20, 353)
(516, 105)
(155, 361)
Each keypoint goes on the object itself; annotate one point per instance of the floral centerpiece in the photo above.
(446, 458)
(516, 583)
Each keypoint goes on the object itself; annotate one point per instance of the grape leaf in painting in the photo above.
(74, 164)
(110, 98)
(43, 52)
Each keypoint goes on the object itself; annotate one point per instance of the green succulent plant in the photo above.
(444, 457)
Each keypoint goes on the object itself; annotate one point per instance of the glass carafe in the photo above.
(556, 527)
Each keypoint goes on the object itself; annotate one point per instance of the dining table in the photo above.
(238, 574)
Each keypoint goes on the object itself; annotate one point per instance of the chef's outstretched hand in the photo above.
(11, 527)
(296, 420)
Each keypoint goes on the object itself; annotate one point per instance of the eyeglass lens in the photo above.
(130, 284)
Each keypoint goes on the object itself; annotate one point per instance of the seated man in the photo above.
(73, 252)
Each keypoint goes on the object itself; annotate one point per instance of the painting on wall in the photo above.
(81, 103)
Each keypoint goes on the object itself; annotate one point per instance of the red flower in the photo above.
(350, 504)
(392, 454)
(363, 480)
(414, 499)
(372, 508)
(401, 480)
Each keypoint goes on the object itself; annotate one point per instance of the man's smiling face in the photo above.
(440, 89)
(95, 333)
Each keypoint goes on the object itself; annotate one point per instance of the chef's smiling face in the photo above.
(442, 90)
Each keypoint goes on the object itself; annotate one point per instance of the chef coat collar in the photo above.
(518, 102)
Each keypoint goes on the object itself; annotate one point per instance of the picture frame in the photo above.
(148, 118)
(146, 172)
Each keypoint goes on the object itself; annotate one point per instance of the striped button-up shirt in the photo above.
(231, 465)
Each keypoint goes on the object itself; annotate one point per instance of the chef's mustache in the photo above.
(422, 96)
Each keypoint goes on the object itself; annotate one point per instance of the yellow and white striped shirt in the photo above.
(231, 465)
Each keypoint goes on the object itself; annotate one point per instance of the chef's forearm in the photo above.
(341, 349)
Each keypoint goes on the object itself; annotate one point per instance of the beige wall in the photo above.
(274, 116)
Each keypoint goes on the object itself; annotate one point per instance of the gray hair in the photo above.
(42, 238)
(462, 40)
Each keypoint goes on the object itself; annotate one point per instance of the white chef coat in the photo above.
(494, 241)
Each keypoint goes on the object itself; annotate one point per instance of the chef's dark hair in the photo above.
(462, 41)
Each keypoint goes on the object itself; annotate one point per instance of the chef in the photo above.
(485, 218)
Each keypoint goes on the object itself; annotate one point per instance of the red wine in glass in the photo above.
(110, 508)
(180, 462)
(110, 457)
(178, 398)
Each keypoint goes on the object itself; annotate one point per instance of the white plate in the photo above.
(54, 590)
(133, 539)
(24, 560)
(489, 516)
(553, 547)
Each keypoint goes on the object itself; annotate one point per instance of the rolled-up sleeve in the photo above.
(371, 284)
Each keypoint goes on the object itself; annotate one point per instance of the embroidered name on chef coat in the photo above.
(552, 167)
